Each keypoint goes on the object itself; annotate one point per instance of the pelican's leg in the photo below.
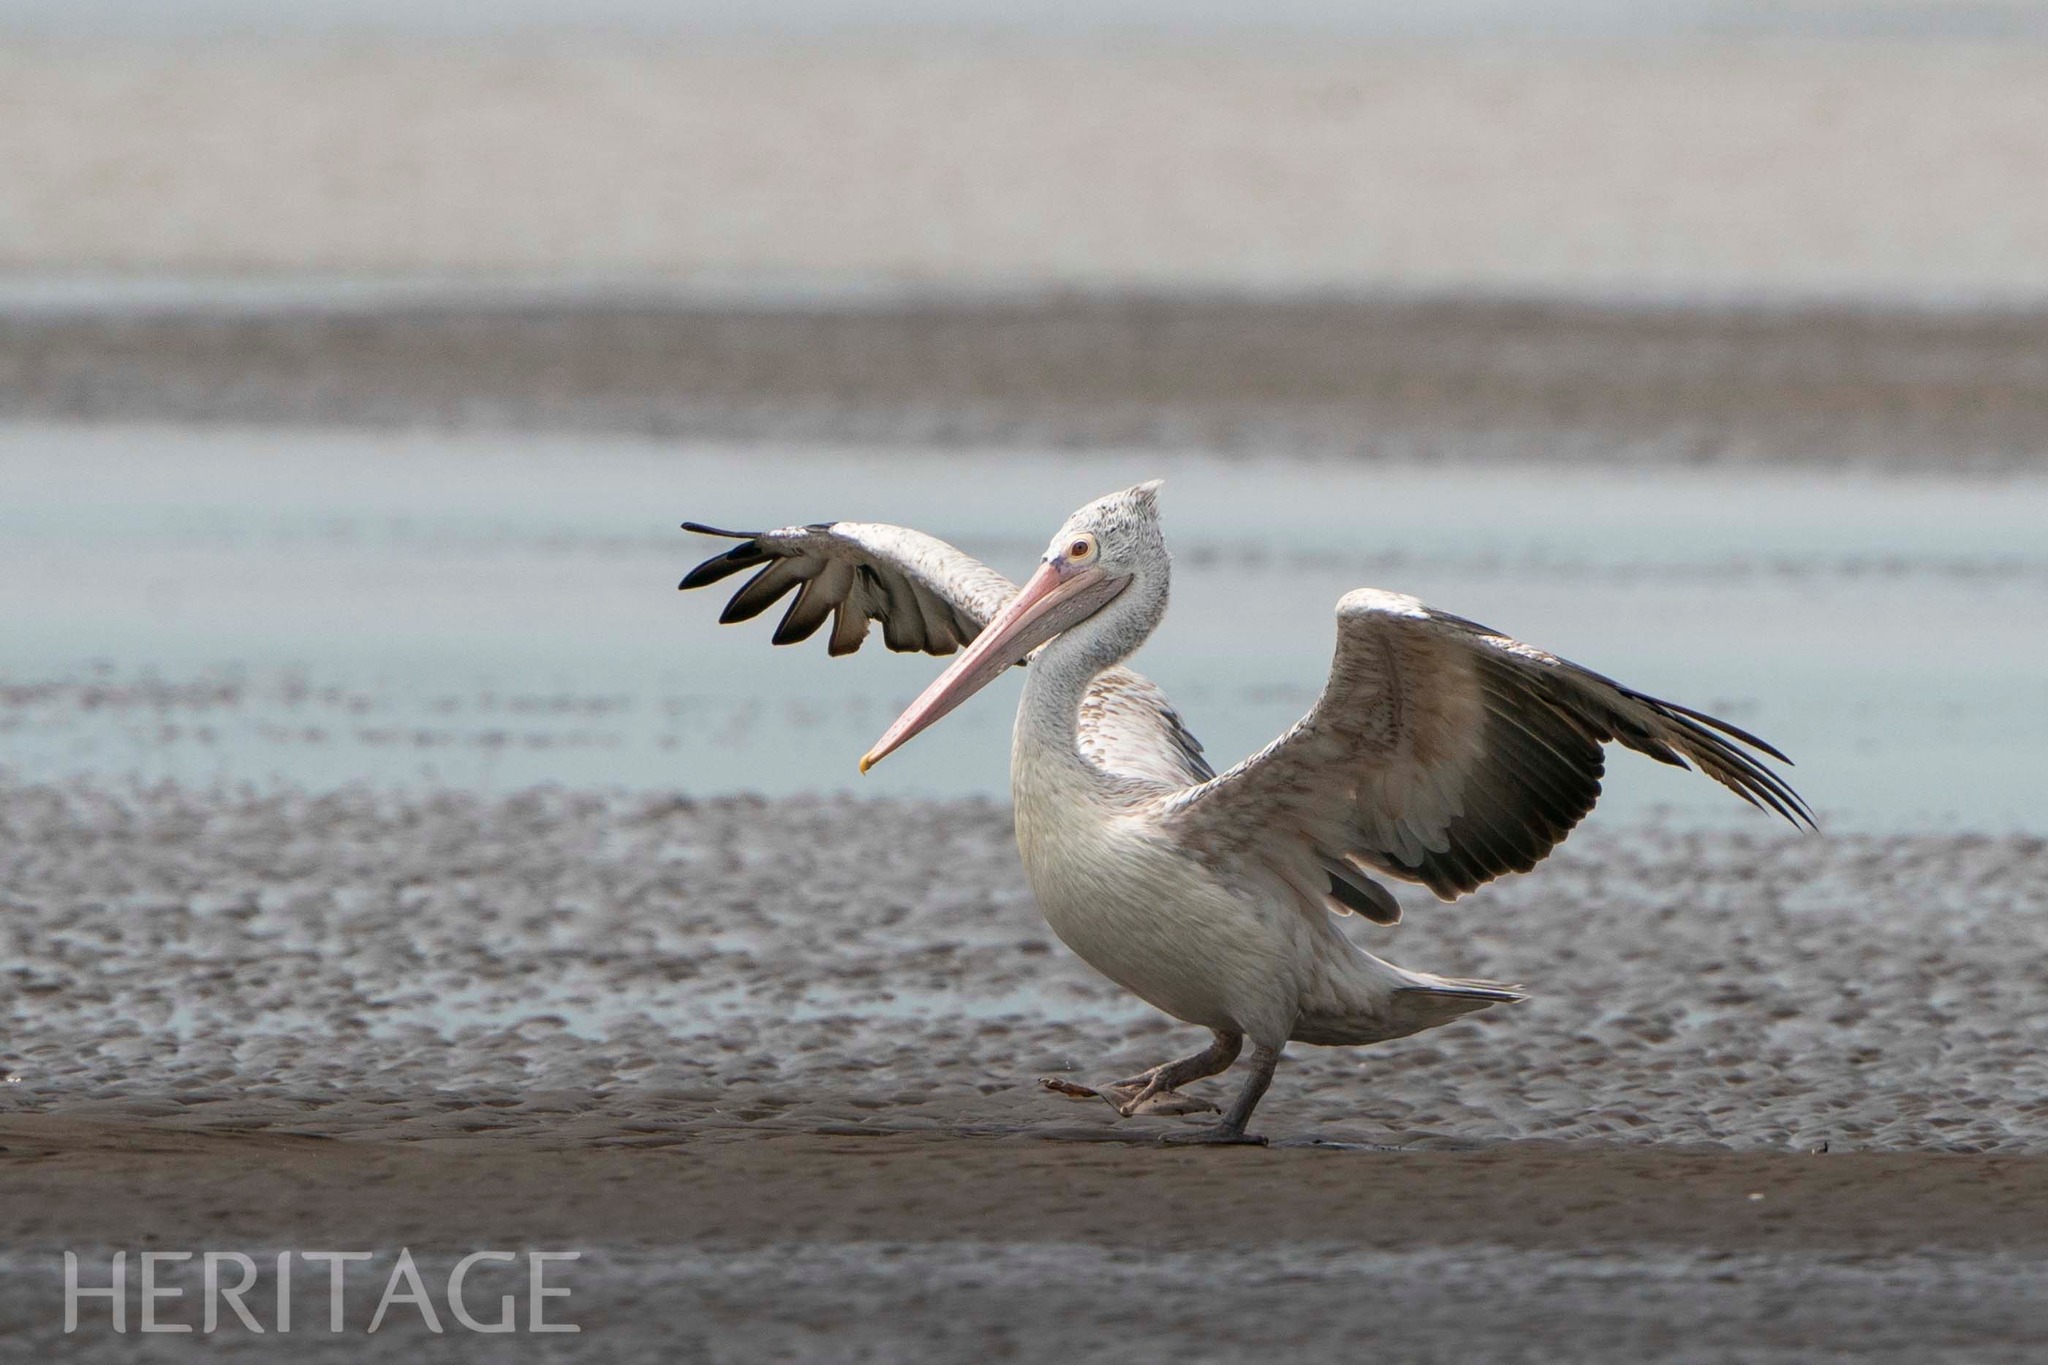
(1210, 1061)
(1149, 1087)
(1231, 1129)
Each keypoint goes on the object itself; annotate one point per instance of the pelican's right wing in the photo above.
(932, 597)
(1445, 753)
(928, 595)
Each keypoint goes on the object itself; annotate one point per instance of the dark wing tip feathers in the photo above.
(743, 556)
(723, 566)
(1726, 763)
(1696, 745)
(1732, 731)
(1553, 753)
(1734, 769)
(1740, 772)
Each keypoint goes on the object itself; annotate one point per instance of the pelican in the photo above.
(1441, 753)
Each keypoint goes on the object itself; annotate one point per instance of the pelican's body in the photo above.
(1441, 753)
(1141, 913)
(1233, 953)
(1213, 940)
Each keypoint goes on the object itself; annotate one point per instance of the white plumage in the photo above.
(1440, 752)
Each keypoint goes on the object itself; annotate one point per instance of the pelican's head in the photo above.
(1098, 553)
(1118, 534)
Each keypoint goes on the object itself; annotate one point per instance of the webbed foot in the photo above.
(1132, 1098)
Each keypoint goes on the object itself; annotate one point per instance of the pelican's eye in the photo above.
(1081, 548)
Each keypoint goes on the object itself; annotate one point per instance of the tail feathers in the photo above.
(1438, 1000)
(1410, 1003)
(1470, 988)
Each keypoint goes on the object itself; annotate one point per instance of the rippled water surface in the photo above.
(489, 613)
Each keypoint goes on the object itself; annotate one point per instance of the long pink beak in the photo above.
(1032, 617)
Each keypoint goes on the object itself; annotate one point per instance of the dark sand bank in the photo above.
(1445, 378)
(902, 1248)
(114, 1182)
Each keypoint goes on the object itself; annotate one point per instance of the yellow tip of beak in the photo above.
(867, 761)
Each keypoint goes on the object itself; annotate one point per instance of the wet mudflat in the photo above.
(563, 968)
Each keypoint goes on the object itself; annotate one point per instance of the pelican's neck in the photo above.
(1046, 746)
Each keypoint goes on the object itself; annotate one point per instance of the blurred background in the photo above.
(357, 361)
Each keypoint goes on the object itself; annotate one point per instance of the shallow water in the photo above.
(324, 609)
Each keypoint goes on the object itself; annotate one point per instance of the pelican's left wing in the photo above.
(1445, 753)
(928, 595)
(933, 597)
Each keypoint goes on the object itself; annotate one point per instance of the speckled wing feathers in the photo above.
(934, 598)
(1445, 753)
(1129, 728)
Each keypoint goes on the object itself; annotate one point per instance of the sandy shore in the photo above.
(1706, 169)
(1417, 379)
(771, 1066)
